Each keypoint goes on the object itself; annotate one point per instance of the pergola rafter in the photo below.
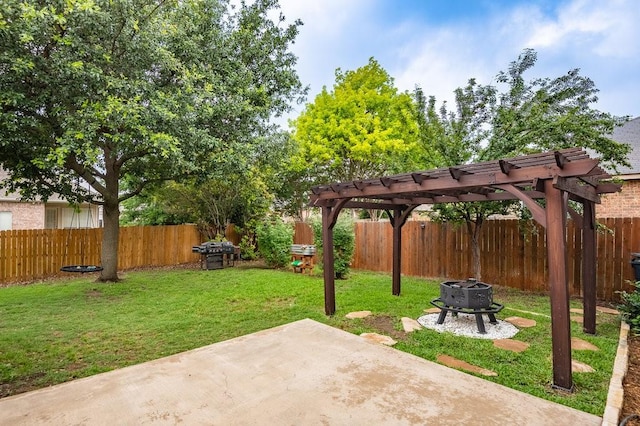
(556, 177)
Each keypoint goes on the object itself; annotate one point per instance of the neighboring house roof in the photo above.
(629, 133)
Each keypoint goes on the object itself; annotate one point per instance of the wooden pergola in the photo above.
(556, 177)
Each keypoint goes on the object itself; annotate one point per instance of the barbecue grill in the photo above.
(467, 297)
(212, 254)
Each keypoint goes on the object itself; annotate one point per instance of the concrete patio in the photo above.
(296, 374)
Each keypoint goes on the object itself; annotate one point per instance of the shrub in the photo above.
(248, 248)
(343, 244)
(274, 242)
(630, 308)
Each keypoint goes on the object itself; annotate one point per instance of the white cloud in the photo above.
(607, 29)
(601, 38)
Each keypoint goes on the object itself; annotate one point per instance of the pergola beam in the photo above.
(516, 176)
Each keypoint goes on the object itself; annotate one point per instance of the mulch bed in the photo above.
(631, 383)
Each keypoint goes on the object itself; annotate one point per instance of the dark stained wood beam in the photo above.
(561, 160)
(329, 218)
(327, 259)
(558, 288)
(421, 177)
(443, 184)
(591, 181)
(536, 209)
(397, 219)
(589, 239)
(571, 186)
(506, 166)
(397, 252)
(360, 184)
(457, 173)
(390, 203)
(608, 188)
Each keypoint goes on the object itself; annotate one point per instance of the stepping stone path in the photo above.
(379, 338)
(358, 314)
(452, 362)
(577, 318)
(511, 345)
(576, 311)
(432, 311)
(521, 322)
(581, 367)
(409, 324)
(606, 310)
(578, 344)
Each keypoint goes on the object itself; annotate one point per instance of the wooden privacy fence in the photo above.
(39, 253)
(511, 255)
(303, 233)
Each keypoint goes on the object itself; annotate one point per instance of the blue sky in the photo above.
(440, 44)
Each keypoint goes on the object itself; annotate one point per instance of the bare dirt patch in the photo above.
(384, 324)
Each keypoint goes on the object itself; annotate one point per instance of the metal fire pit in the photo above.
(467, 297)
(213, 254)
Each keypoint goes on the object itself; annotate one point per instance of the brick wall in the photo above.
(625, 203)
(25, 215)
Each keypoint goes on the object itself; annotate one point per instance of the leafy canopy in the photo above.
(518, 117)
(123, 94)
(130, 92)
(362, 128)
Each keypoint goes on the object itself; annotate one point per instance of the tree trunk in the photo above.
(110, 238)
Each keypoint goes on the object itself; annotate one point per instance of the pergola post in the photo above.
(397, 220)
(397, 252)
(329, 218)
(327, 263)
(589, 268)
(559, 293)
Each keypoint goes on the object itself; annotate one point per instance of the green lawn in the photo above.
(61, 330)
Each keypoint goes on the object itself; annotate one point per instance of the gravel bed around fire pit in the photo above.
(465, 325)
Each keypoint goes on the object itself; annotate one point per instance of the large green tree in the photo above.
(363, 128)
(515, 118)
(121, 94)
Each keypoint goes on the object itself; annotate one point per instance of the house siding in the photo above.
(25, 215)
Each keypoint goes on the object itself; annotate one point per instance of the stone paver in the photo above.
(521, 322)
(577, 318)
(576, 311)
(452, 362)
(581, 367)
(409, 324)
(582, 345)
(606, 310)
(379, 338)
(511, 345)
(358, 314)
(432, 310)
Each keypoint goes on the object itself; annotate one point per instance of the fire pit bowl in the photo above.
(469, 294)
(467, 297)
